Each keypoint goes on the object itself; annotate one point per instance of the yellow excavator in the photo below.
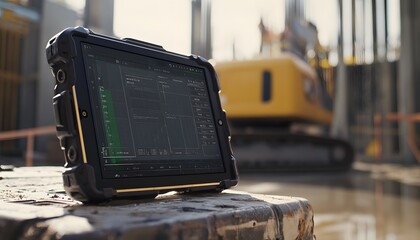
(279, 109)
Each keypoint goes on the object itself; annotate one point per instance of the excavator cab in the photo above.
(283, 89)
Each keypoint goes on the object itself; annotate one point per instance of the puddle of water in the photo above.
(350, 206)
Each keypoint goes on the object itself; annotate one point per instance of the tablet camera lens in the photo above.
(71, 154)
(60, 76)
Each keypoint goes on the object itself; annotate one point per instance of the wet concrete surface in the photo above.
(369, 202)
(33, 205)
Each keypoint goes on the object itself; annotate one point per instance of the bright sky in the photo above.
(163, 22)
(168, 23)
(235, 23)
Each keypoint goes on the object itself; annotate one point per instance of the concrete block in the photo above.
(34, 206)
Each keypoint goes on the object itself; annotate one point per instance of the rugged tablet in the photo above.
(136, 120)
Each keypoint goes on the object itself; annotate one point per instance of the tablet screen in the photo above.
(152, 117)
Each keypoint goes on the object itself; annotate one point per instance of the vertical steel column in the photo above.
(386, 27)
(340, 124)
(99, 16)
(353, 30)
(375, 32)
(295, 10)
(408, 74)
(376, 87)
(3, 48)
(201, 28)
(385, 80)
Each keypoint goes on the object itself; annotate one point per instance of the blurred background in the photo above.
(320, 94)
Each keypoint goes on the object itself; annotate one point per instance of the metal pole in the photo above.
(386, 28)
(201, 28)
(99, 16)
(353, 29)
(406, 72)
(375, 32)
(340, 124)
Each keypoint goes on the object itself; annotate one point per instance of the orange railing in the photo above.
(411, 136)
(29, 134)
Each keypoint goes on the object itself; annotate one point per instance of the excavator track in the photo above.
(289, 151)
